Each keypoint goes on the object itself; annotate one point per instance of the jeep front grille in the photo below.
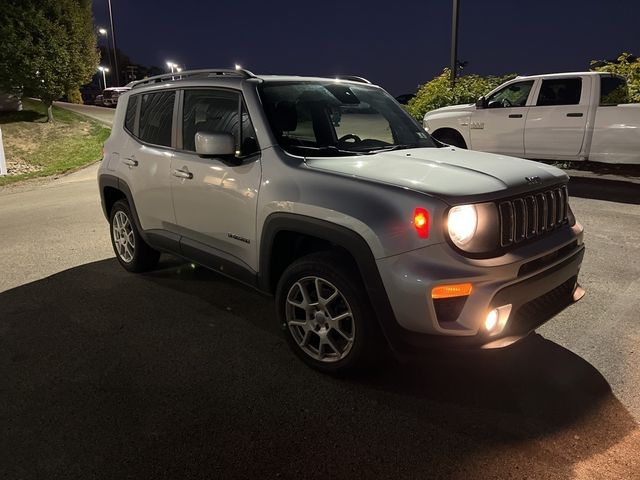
(532, 215)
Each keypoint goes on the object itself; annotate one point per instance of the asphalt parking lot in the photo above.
(181, 373)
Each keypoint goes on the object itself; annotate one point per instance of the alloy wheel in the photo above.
(320, 319)
(123, 236)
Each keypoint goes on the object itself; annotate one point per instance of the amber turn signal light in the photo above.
(451, 291)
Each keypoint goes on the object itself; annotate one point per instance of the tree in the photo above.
(626, 65)
(438, 92)
(48, 47)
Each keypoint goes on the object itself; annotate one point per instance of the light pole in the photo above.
(105, 33)
(173, 66)
(454, 40)
(113, 41)
(104, 71)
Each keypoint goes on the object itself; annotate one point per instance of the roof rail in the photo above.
(166, 77)
(352, 78)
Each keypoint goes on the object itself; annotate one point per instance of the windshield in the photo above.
(319, 119)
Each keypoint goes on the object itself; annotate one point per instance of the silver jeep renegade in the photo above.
(325, 193)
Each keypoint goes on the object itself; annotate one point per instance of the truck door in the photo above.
(499, 128)
(555, 126)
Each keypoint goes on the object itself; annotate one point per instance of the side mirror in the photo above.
(215, 144)
(481, 103)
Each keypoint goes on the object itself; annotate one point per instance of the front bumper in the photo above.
(539, 281)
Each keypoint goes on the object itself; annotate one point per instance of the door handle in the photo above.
(182, 174)
(515, 115)
(132, 162)
(574, 114)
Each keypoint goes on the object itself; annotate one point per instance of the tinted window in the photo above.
(130, 116)
(249, 138)
(211, 111)
(514, 95)
(560, 91)
(613, 90)
(156, 118)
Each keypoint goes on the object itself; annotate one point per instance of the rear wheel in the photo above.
(326, 315)
(133, 253)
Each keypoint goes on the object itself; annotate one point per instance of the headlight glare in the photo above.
(462, 224)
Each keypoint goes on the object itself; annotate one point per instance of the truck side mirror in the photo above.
(481, 103)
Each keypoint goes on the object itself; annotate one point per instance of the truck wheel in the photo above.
(131, 250)
(452, 138)
(325, 314)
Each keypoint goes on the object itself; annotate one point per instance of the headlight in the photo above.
(462, 224)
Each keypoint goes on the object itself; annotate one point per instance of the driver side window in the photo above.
(514, 95)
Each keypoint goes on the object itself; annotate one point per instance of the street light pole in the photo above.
(104, 70)
(105, 33)
(113, 41)
(454, 40)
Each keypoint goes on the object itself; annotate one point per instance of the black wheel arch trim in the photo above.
(105, 180)
(399, 339)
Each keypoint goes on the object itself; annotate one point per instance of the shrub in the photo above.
(74, 96)
(626, 65)
(438, 92)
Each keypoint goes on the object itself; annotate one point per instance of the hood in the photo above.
(468, 107)
(449, 173)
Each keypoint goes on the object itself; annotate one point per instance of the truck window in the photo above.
(514, 95)
(560, 91)
(613, 90)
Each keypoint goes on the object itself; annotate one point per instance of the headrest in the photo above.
(286, 116)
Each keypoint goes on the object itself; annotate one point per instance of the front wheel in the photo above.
(452, 138)
(326, 315)
(133, 253)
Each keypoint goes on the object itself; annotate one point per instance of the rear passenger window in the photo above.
(156, 118)
(130, 116)
(560, 91)
(613, 91)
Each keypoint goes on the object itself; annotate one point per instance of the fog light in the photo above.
(492, 320)
(497, 319)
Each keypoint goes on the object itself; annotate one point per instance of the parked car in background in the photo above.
(110, 95)
(565, 116)
(325, 193)
(99, 101)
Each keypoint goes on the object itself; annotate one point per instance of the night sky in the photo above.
(397, 44)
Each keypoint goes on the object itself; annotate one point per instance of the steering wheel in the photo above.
(506, 103)
(350, 136)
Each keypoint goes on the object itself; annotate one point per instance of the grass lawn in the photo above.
(35, 148)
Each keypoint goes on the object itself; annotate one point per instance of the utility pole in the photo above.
(113, 41)
(454, 40)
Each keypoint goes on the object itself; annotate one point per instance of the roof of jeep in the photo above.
(234, 77)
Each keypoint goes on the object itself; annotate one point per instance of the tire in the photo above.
(451, 138)
(133, 253)
(333, 346)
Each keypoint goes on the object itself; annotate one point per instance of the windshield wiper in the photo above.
(329, 149)
(389, 149)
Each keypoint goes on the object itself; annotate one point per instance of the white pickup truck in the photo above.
(565, 116)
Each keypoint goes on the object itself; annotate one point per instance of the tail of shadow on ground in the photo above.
(112, 335)
(620, 191)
